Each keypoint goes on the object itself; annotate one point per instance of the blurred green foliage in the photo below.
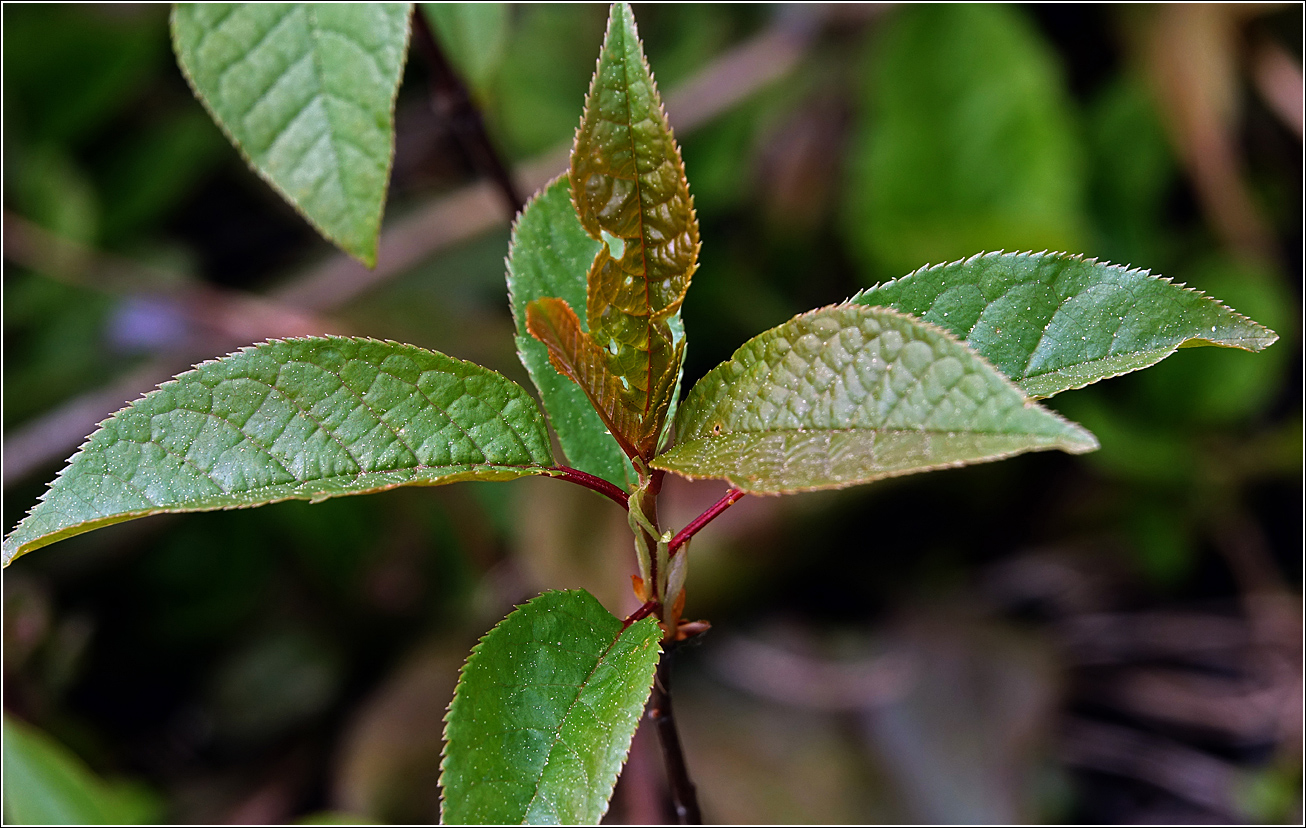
(231, 660)
(966, 142)
(45, 784)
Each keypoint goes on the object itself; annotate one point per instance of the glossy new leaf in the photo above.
(306, 93)
(578, 357)
(630, 192)
(849, 394)
(542, 719)
(1053, 321)
(300, 419)
(549, 256)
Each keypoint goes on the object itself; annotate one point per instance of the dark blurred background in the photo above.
(1115, 637)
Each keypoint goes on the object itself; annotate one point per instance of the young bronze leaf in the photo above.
(630, 191)
(300, 419)
(1053, 321)
(542, 719)
(306, 92)
(575, 355)
(548, 256)
(849, 394)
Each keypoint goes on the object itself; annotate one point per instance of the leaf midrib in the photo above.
(557, 732)
(643, 235)
(819, 430)
(322, 95)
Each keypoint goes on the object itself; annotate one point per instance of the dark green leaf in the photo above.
(301, 419)
(543, 716)
(306, 93)
(966, 141)
(46, 784)
(1053, 321)
(549, 256)
(849, 394)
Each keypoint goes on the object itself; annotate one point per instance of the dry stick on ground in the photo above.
(461, 215)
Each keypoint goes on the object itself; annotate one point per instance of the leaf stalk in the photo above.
(729, 499)
(592, 482)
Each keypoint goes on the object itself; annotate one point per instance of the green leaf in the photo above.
(543, 716)
(300, 419)
(967, 140)
(473, 36)
(549, 255)
(628, 184)
(46, 784)
(1052, 321)
(306, 92)
(849, 394)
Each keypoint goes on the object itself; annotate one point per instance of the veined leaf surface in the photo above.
(849, 394)
(542, 719)
(549, 256)
(1053, 321)
(630, 192)
(300, 419)
(578, 357)
(306, 93)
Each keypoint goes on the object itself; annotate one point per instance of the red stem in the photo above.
(589, 481)
(704, 519)
(648, 608)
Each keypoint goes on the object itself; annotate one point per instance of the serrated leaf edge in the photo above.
(1029, 403)
(663, 431)
(1271, 336)
(680, 163)
(54, 537)
(367, 260)
(519, 325)
(476, 648)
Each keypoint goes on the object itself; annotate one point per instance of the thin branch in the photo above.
(684, 797)
(453, 103)
(729, 499)
(589, 481)
(1279, 80)
(645, 610)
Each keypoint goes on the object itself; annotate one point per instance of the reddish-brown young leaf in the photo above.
(630, 192)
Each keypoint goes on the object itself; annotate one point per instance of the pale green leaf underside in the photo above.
(550, 255)
(306, 93)
(300, 419)
(849, 394)
(542, 719)
(1053, 321)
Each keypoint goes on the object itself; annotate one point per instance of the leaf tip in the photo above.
(1083, 442)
